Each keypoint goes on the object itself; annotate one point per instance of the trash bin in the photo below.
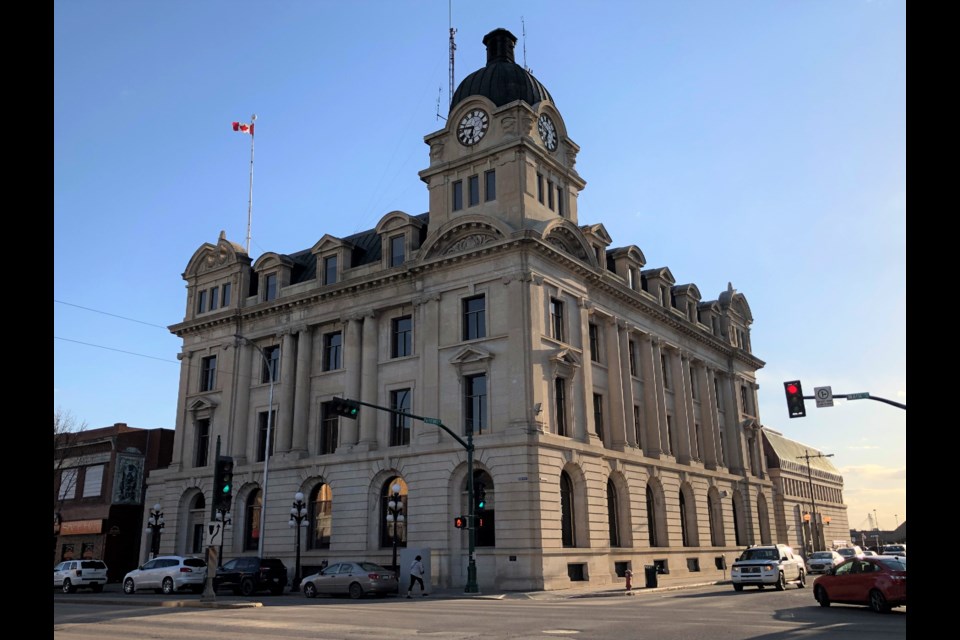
(650, 571)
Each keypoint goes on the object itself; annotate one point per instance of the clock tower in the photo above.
(504, 152)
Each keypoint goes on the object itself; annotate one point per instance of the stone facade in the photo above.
(614, 412)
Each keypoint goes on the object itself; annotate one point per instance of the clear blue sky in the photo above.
(757, 142)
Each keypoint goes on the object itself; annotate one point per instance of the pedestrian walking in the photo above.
(416, 575)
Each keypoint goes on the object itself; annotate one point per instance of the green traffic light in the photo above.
(226, 488)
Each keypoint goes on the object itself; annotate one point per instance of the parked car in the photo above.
(877, 581)
(868, 552)
(894, 550)
(167, 574)
(354, 578)
(850, 552)
(823, 561)
(247, 575)
(768, 565)
(80, 574)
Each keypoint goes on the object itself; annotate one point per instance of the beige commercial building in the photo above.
(613, 410)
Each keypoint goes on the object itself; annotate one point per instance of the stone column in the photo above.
(368, 380)
(734, 446)
(241, 403)
(661, 400)
(185, 357)
(616, 434)
(301, 406)
(584, 428)
(683, 420)
(652, 390)
(351, 363)
(626, 385)
(428, 396)
(288, 370)
(708, 411)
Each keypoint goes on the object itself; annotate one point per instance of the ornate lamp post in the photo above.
(395, 522)
(155, 527)
(298, 519)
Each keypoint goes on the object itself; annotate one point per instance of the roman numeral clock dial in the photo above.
(473, 127)
(547, 131)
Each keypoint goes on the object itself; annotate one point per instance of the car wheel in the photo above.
(802, 582)
(781, 582)
(167, 586)
(878, 603)
(821, 596)
(97, 588)
(128, 586)
(246, 587)
(309, 590)
(68, 586)
(356, 591)
(738, 587)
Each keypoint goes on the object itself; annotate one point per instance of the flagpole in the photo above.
(253, 119)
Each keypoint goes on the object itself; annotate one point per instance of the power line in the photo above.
(100, 346)
(70, 304)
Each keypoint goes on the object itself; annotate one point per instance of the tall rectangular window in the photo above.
(473, 190)
(743, 400)
(208, 373)
(475, 403)
(214, 298)
(632, 278)
(330, 270)
(332, 343)
(201, 301)
(598, 414)
(265, 420)
(490, 189)
(270, 287)
(550, 195)
(560, 405)
(556, 318)
(637, 426)
(93, 480)
(402, 344)
(716, 393)
(560, 210)
(632, 355)
(594, 331)
(666, 371)
(399, 425)
(474, 318)
(270, 369)
(68, 484)
(397, 251)
(458, 195)
(699, 433)
(670, 434)
(693, 385)
(225, 295)
(540, 188)
(203, 442)
(329, 429)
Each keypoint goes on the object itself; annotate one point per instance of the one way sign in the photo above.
(824, 396)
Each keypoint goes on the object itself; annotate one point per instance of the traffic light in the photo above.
(795, 406)
(480, 495)
(460, 522)
(223, 483)
(345, 408)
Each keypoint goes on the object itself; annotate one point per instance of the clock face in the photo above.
(548, 132)
(473, 127)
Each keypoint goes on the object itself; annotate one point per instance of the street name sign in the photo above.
(824, 396)
(858, 396)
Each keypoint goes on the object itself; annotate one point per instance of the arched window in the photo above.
(764, 519)
(386, 495)
(566, 511)
(486, 533)
(613, 518)
(251, 528)
(321, 517)
(736, 524)
(684, 534)
(198, 522)
(651, 518)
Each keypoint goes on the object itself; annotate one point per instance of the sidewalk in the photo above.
(113, 594)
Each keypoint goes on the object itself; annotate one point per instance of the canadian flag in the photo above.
(243, 127)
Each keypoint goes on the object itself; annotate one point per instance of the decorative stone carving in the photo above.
(468, 242)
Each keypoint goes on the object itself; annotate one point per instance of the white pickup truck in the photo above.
(773, 565)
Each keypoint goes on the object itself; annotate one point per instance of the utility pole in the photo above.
(813, 504)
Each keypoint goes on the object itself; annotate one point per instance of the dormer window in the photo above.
(664, 297)
(202, 301)
(330, 270)
(270, 287)
(397, 251)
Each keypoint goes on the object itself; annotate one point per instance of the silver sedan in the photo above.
(353, 578)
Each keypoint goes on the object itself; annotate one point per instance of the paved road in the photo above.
(715, 612)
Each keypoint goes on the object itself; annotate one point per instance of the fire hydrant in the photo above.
(629, 576)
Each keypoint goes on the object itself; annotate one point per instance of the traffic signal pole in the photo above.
(342, 406)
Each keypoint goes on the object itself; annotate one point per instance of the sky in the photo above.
(760, 143)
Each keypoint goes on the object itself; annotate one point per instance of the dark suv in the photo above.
(247, 575)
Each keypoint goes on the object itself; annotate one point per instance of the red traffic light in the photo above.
(794, 393)
(791, 388)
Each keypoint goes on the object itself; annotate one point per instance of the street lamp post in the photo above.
(271, 369)
(298, 519)
(813, 503)
(395, 521)
(155, 527)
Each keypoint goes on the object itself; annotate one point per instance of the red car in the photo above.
(877, 581)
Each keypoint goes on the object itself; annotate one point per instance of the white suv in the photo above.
(773, 565)
(73, 574)
(167, 574)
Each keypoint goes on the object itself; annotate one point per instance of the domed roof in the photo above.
(502, 80)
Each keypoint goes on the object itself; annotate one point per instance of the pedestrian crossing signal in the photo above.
(460, 522)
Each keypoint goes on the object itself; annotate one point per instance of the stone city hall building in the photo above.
(614, 411)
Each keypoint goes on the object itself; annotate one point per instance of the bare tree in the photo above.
(66, 435)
